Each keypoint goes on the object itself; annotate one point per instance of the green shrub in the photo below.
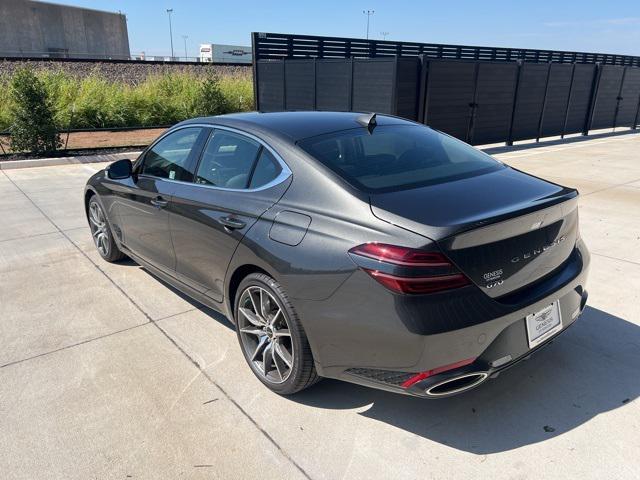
(209, 99)
(33, 126)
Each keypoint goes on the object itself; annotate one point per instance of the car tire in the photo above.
(102, 233)
(284, 381)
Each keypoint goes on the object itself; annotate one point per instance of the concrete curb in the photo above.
(50, 162)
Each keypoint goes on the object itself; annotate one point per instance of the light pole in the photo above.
(384, 35)
(368, 13)
(184, 37)
(169, 12)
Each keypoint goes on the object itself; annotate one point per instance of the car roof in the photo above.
(296, 125)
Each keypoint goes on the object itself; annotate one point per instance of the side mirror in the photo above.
(120, 170)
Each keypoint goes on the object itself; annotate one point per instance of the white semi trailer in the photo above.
(217, 53)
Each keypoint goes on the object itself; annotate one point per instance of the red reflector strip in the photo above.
(429, 373)
(419, 284)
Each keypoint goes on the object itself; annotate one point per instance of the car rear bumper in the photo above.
(360, 336)
(490, 364)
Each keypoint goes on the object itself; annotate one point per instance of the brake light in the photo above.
(401, 255)
(408, 270)
(429, 373)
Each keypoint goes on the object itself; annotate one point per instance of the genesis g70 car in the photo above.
(355, 246)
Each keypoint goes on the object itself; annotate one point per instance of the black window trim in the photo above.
(284, 173)
(254, 166)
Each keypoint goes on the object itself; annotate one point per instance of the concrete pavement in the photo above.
(105, 372)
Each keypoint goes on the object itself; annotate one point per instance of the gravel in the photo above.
(127, 72)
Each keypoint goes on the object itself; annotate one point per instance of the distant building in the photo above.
(39, 29)
(216, 53)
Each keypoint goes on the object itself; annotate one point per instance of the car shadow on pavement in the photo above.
(591, 369)
(215, 315)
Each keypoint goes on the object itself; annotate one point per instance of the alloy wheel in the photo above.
(99, 228)
(265, 334)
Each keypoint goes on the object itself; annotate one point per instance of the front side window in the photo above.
(397, 157)
(227, 161)
(170, 157)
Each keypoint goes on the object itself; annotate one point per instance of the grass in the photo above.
(95, 102)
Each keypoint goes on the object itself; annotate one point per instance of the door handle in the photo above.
(159, 202)
(231, 223)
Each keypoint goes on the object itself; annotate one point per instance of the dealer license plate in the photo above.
(543, 324)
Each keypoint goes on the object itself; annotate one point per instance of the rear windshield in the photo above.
(397, 157)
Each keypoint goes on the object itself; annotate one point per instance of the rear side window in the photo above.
(397, 157)
(267, 169)
(227, 160)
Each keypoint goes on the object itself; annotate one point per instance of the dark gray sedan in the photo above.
(353, 246)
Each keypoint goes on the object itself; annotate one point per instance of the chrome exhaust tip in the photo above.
(458, 384)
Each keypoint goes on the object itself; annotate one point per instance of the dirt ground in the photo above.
(102, 139)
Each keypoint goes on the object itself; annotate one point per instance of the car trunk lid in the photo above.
(505, 230)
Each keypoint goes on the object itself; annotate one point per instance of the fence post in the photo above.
(473, 105)
(635, 122)
(284, 83)
(592, 99)
(566, 110)
(315, 84)
(422, 93)
(509, 141)
(351, 87)
(254, 54)
(394, 86)
(289, 47)
(544, 102)
(73, 111)
(619, 99)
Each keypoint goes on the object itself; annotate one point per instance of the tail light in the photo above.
(419, 284)
(408, 270)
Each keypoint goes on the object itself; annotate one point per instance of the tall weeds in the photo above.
(95, 102)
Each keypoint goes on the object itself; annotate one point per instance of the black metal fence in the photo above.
(478, 101)
(272, 46)
(383, 85)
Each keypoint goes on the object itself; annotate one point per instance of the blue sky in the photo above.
(597, 26)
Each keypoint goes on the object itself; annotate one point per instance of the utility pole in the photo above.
(384, 35)
(184, 37)
(368, 13)
(169, 12)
